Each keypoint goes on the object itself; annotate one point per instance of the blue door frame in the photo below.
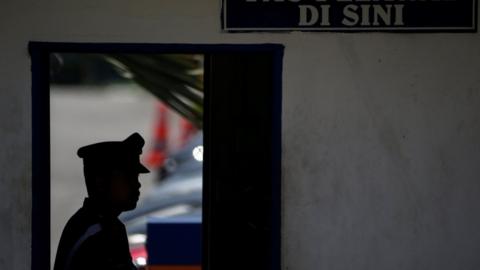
(40, 51)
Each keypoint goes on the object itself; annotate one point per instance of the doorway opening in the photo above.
(102, 97)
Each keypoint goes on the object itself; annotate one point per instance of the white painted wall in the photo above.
(381, 132)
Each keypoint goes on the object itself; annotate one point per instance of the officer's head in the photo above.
(111, 171)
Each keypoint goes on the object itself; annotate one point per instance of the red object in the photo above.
(187, 131)
(158, 154)
(138, 252)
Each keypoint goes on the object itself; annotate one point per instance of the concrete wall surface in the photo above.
(381, 132)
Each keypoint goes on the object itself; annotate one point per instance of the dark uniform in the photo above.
(94, 238)
(93, 241)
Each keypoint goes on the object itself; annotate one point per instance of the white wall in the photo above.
(381, 132)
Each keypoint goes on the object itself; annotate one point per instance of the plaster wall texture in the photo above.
(381, 132)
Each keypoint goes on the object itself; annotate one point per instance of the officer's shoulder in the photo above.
(80, 221)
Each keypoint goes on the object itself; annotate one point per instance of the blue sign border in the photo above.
(282, 16)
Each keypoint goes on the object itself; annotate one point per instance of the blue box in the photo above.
(174, 241)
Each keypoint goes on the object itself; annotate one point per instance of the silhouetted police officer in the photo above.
(94, 238)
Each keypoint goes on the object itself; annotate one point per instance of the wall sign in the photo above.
(350, 15)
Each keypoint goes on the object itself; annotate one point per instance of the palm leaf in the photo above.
(176, 79)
